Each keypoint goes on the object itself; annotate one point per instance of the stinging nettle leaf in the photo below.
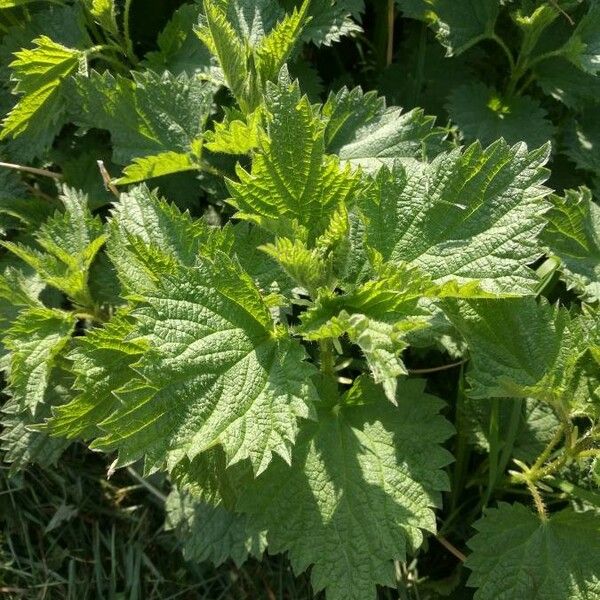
(360, 490)
(517, 555)
(292, 179)
(211, 532)
(218, 372)
(573, 234)
(472, 216)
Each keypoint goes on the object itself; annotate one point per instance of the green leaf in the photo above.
(583, 48)
(21, 444)
(35, 339)
(472, 216)
(218, 372)
(520, 348)
(482, 114)
(236, 134)
(458, 24)
(211, 532)
(330, 20)
(104, 13)
(179, 50)
(165, 163)
(40, 73)
(291, 177)
(574, 88)
(361, 130)
(70, 241)
(148, 235)
(517, 555)
(573, 234)
(149, 115)
(360, 490)
(582, 140)
(102, 362)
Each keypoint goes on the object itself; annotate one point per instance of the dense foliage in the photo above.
(355, 334)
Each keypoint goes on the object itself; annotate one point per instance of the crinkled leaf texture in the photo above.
(470, 216)
(522, 348)
(482, 114)
(573, 234)
(218, 372)
(361, 487)
(517, 555)
(212, 532)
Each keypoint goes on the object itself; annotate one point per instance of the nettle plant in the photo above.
(261, 362)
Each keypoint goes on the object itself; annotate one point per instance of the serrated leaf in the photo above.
(291, 177)
(69, 242)
(165, 163)
(211, 532)
(574, 88)
(34, 340)
(573, 234)
(583, 48)
(520, 348)
(236, 134)
(360, 490)
(147, 232)
(361, 130)
(147, 115)
(482, 114)
(582, 138)
(179, 50)
(104, 13)
(517, 555)
(472, 216)
(40, 73)
(458, 24)
(330, 20)
(223, 377)
(102, 362)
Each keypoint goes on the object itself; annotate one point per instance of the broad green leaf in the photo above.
(236, 134)
(583, 48)
(520, 348)
(18, 290)
(573, 234)
(179, 50)
(147, 115)
(330, 20)
(211, 532)
(292, 179)
(574, 88)
(34, 340)
(220, 37)
(218, 373)
(40, 73)
(148, 235)
(360, 491)
(102, 362)
(472, 216)
(482, 114)
(361, 130)
(104, 13)
(582, 140)
(69, 242)
(273, 50)
(458, 24)
(21, 444)
(517, 555)
(165, 163)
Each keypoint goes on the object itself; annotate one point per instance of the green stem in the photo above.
(494, 441)
(327, 358)
(461, 450)
(511, 435)
(127, 32)
(505, 48)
